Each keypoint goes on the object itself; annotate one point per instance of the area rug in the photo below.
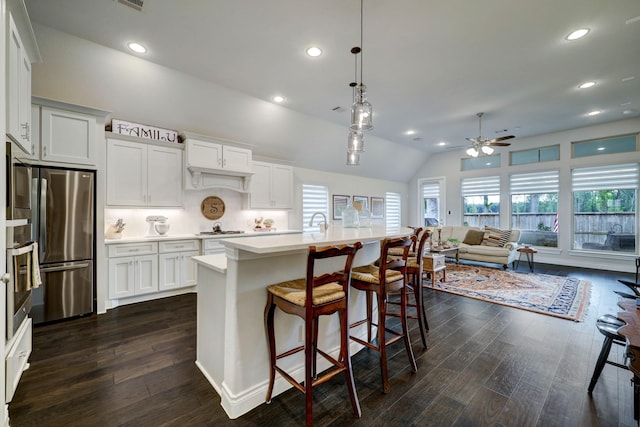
(564, 297)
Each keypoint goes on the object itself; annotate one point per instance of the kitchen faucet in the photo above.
(324, 225)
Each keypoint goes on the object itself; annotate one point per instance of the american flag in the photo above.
(555, 224)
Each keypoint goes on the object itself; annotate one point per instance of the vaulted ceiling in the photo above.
(430, 66)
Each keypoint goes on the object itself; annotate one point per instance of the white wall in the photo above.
(448, 165)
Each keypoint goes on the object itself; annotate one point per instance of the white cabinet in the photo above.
(271, 186)
(18, 89)
(67, 137)
(140, 174)
(133, 269)
(212, 246)
(176, 268)
(17, 357)
(225, 159)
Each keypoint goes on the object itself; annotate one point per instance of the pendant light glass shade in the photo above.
(361, 111)
(353, 159)
(487, 150)
(355, 142)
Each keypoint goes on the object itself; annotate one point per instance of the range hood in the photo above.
(211, 164)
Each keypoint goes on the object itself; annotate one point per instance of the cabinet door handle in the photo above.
(224, 163)
(44, 151)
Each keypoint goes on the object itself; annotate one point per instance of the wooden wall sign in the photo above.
(143, 131)
(212, 207)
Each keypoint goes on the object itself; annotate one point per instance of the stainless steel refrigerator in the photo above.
(63, 224)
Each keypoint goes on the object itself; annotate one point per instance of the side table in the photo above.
(529, 252)
(432, 263)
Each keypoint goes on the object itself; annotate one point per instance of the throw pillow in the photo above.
(495, 237)
(473, 237)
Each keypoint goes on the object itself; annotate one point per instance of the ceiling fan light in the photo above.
(355, 142)
(471, 151)
(353, 159)
(487, 150)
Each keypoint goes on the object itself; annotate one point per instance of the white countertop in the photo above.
(333, 236)
(138, 239)
(217, 262)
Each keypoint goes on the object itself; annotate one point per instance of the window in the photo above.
(393, 210)
(536, 155)
(481, 201)
(619, 144)
(604, 208)
(431, 191)
(534, 207)
(315, 198)
(482, 162)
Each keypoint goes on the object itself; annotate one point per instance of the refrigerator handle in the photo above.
(43, 217)
(34, 212)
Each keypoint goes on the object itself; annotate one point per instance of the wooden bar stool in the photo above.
(309, 299)
(608, 326)
(414, 276)
(389, 276)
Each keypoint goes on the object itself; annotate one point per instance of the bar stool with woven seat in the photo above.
(608, 326)
(309, 299)
(389, 276)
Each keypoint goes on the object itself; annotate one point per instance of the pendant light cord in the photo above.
(361, 38)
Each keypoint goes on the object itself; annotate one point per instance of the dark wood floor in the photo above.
(486, 365)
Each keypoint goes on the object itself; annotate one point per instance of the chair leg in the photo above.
(382, 345)
(420, 314)
(602, 360)
(405, 329)
(314, 371)
(345, 359)
(309, 367)
(369, 314)
(268, 321)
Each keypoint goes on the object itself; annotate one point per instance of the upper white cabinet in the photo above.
(211, 163)
(143, 174)
(271, 186)
(225, 159)
(21, 52)
(64, 133)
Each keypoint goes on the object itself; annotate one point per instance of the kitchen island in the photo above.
(231, 340)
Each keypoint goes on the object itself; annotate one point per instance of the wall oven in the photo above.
(20, 245)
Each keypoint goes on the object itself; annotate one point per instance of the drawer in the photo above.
(212, 245)
(129, 249)
(179, 246)
(432, 262)
(17, 358)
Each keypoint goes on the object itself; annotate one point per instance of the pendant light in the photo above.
(353, 159)
(361, 110)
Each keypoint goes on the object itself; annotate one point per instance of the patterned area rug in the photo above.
(558, 296)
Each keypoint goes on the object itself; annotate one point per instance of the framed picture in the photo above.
(362, 199)
(377, 207)
(339, 204)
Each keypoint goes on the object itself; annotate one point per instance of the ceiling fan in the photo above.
(481, 144)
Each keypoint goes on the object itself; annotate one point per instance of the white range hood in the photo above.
(212, 163)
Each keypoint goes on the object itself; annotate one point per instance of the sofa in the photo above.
(490, 249)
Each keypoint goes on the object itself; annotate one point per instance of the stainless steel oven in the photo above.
(19, 300)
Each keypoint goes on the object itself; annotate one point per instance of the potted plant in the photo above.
(452, 242)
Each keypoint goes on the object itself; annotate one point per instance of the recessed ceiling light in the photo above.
(587, 85)
(628, 112)
(137, 47)
(410, 132)
(442, 143)
(600, 148)
(279, 99)
(594, 113)
(575, 35)
(314, 51)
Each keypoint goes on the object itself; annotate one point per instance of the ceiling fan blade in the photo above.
(498, 144)
(502, 138)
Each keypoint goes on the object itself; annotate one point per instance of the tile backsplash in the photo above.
(190, 219)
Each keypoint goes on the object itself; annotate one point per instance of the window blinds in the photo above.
(536, 182)
(315, 198)
(480, 186)
(609, 177)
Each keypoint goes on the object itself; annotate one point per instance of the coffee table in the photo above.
(447, 252)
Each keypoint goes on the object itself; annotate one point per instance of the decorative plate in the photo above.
(212, 207)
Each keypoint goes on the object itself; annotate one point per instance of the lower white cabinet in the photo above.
(17, 358)
(133, 269)
(150, 267)
(176, 268)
